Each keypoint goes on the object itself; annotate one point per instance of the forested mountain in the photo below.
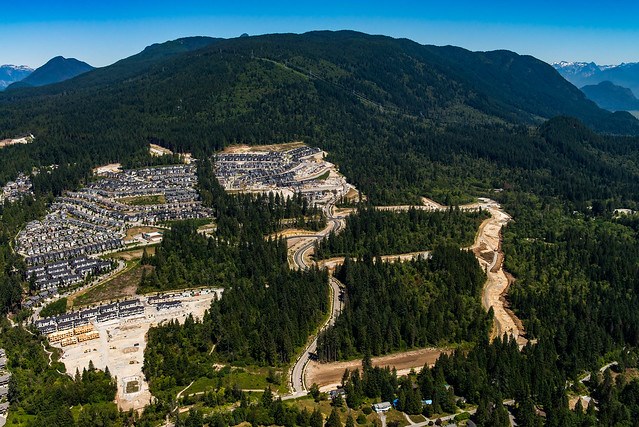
(428, 116)
(297, 74)
(402, 121)
(56, 70)
(611, 97)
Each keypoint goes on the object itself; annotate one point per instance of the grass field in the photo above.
(253, 378)
(121, 286)
(157, 199)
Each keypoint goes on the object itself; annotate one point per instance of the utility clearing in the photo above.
(329, 375)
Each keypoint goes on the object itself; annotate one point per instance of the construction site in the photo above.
(119, 343)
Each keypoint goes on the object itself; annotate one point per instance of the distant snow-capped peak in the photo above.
(17, 67)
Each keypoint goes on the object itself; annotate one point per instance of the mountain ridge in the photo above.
(611, 96)
(56, 70)
(582, 74)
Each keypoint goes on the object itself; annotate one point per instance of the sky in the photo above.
(102, 32)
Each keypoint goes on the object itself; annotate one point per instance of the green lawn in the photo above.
(157, 199)
(19, 418)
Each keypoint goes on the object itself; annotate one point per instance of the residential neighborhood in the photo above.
(299, 170)
(94, 219)
(15, 190)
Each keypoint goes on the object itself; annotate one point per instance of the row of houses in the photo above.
(65, 273)
(40, 297)
(94, 219)
(5, 377)
(60, 235)
(291, 170)
(102, 313)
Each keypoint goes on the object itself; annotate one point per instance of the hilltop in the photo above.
(612, 97)
(56, 70)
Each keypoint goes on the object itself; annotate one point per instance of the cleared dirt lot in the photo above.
(242, 148)
(328, 375)
(133, 231)
(121, 347)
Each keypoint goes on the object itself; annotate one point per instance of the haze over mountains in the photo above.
(612, 97)
(588, 74)
(12, 73)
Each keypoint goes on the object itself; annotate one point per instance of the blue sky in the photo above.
(101, 32)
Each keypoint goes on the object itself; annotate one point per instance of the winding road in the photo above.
(487, 249)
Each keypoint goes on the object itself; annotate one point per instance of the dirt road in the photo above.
(488, 251)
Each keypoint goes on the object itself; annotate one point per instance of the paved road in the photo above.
(298, 372)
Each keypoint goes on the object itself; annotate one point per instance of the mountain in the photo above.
(418, 112)
(612, 97)
(588, 73)
(436, 83)
(12, 73)
(56, 70)
(578, 73)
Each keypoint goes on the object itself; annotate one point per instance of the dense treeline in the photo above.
(397, 306)
(374, 232)
(267, 310)
(583, 265)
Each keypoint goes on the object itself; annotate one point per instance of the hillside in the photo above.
(439, 83)
(55, 70)
(12, 73)
(612, 97)
(428, 116)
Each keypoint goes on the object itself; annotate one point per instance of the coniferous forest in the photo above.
(398, 306)
(573, 259)
(374, 232)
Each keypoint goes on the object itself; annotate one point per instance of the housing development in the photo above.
(94, 219)
(15, 190)
(301, 169)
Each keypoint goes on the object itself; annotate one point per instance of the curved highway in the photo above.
(297, 372)
(335, 224)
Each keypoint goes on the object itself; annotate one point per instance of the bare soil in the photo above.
(139, 230)
(242, 148)
(134, 254)
(122, 286)
(328, 375)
